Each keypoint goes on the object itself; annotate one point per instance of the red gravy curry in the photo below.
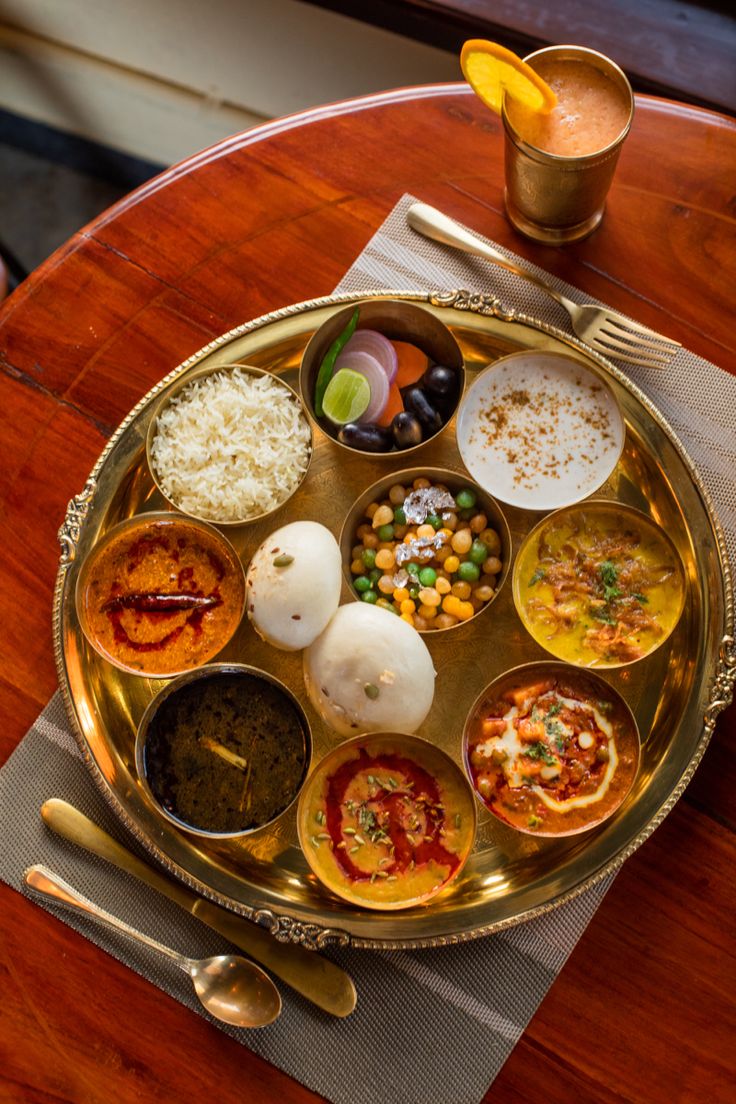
(553, 754)
(386, 821)
(161, 596)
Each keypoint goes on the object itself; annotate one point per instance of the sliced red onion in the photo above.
(369, 367)
(376, 345)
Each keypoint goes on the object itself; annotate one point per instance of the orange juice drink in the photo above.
(559, 165)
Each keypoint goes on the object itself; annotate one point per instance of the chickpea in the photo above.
(385, 559)
(421, 624)
(445, 621)
(356, 552)
(371, 509)
(421, 484)
(401, 594)
(491, 540)
(462, 541)
(407, 606)
(442, 586)
(386, 584)
(397, 494)
(363, 531)
(450, 520)
(492, 566)
(429, 596)
(461, 590)
(384, 515)
(478, 523)
(483, 593)
(357, 567)
(370, 540)
(427, 612)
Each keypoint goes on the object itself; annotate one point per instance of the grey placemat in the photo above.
(431, 1025)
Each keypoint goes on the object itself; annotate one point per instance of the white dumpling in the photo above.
(293, 585)
(369, 671)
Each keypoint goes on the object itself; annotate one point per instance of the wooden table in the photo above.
(642, 1010)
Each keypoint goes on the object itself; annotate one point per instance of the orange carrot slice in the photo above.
(413, 363)
(394, 406)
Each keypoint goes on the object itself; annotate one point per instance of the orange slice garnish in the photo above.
(492, 70)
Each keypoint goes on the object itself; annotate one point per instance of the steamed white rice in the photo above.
(231, 446)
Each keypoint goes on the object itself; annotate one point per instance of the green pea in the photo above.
(374, 575)
(369, 596)
(362, 583)
(385, 532)
(468, 572)
(399, 516)
(466, 498)
(368, 557)
(413, 570)
(413, 592)
(435, 521)
(428, 576)
(478, 553)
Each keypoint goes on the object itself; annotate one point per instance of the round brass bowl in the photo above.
(454, 481)
(540, 430)
(386, 881)
(210, 672)
(181, 384)
(594, 687)
(398, 321)
(147, 524)
(620, 518)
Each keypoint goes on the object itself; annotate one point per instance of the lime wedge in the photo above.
(347, 397)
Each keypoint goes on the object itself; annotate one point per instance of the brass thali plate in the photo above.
(676, 693)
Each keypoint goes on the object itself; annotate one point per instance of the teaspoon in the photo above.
(229, 987)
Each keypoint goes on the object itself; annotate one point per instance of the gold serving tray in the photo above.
(676, 694)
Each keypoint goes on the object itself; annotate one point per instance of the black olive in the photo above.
(367, 437)
(417, 402)
(439, 380)
(407, 430)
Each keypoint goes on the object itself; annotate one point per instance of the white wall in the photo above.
(164, 78)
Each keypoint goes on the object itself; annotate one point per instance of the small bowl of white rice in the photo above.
(229, 445)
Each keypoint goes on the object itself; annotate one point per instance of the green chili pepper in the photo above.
(328, 364)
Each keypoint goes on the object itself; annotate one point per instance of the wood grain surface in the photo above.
(643, 1012)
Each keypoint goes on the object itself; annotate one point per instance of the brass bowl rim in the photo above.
(599, 505)
(308, 405)
(209, 670)
(431, 472)
(145, 521)
(587, 369)
(401, 738)
(565, 51)
(557, 666)
(180, 384)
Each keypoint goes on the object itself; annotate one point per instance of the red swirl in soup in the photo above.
(552, 751)
(386, 821)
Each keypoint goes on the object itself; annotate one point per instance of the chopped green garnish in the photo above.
(538, 574)
(534, 821)
(554, 709)
(609, 577)
(540, 751)
(641, 598)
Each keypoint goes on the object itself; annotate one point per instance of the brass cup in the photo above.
(454, 481)
(215, 670)
(398, 321)
(180, 385)
(555, 199)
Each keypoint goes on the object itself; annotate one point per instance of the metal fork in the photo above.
(604, 330)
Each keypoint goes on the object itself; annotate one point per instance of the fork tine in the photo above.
(643, 361)
(630, 348)
(624, 324)
(635, 342)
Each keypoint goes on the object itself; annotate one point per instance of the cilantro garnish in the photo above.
(540, 751)
(608, 573)
(538, 574)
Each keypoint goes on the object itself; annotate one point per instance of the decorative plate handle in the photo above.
(473, 301)
(311, 936)
(721, 694)
(76, 512)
